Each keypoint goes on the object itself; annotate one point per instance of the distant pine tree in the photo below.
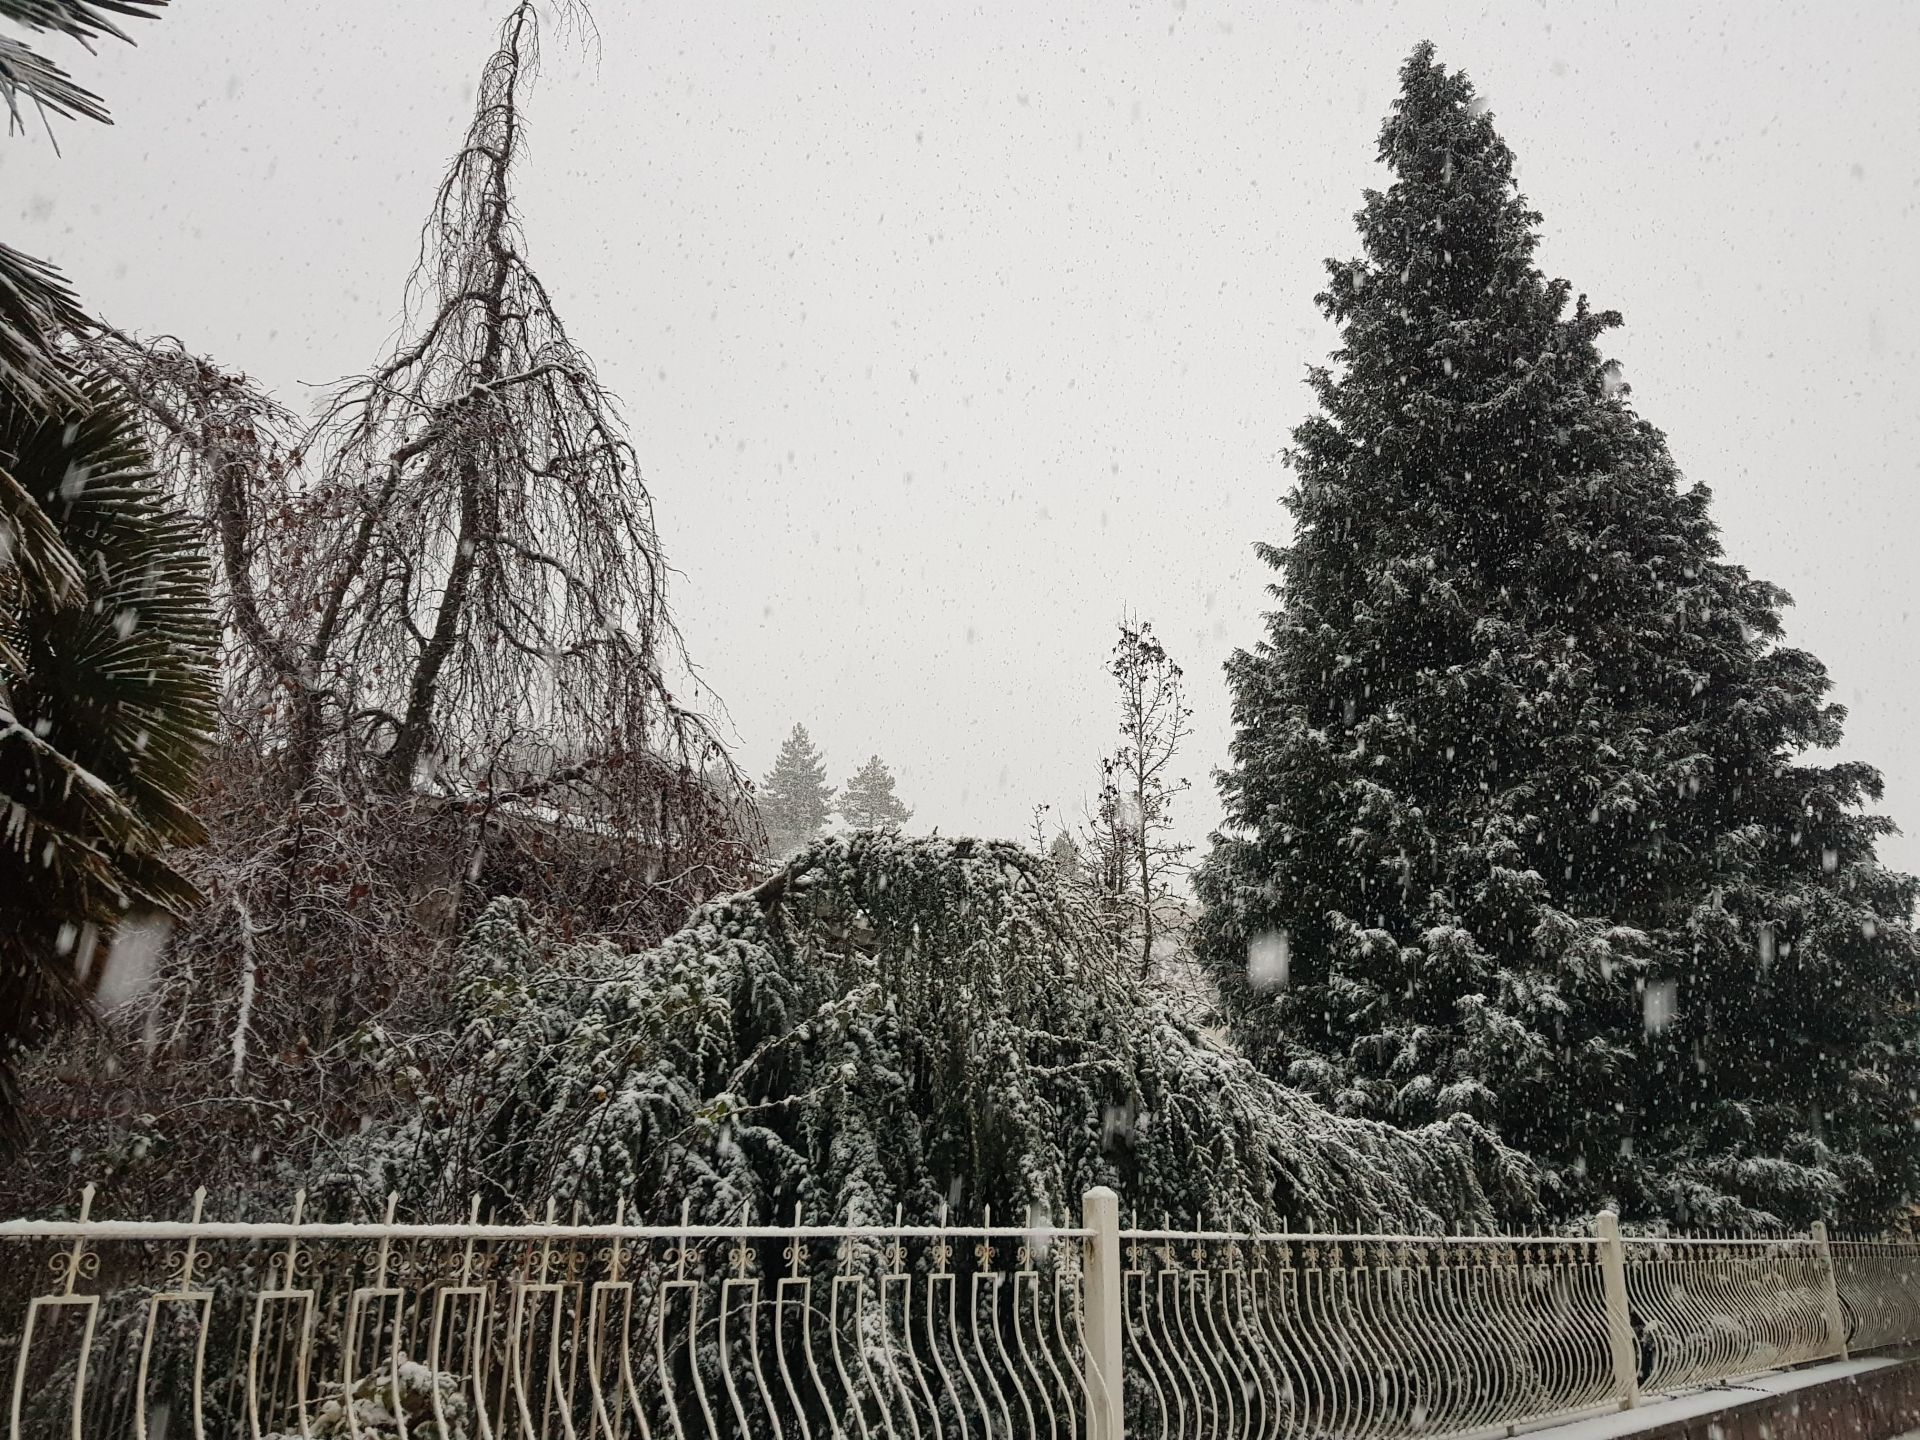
(1513, 822)
(868, 803)
(795, 799)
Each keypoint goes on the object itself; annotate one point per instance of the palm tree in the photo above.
(35, 303)
(35, 306)
(107, 651)
(107, 644)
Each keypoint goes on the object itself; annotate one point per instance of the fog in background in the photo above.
(948, 334)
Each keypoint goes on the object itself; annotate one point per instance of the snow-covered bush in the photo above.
(379, 1407)
(885, 1022)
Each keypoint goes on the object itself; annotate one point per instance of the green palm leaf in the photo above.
(107, 649)
(35, 307)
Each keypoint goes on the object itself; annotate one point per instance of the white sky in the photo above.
(949, 333)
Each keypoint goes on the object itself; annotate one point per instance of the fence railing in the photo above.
(141, 1330)
(1362, 1335)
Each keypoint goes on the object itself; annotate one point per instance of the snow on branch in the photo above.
(888, 1022)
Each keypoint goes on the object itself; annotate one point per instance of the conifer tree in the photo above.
(795, 799)
(1516, 791)
(867, 801)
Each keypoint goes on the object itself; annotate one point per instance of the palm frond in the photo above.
(81, 20)
(24, 72)
(121, 684)
(31, 547)
(107, 647)
(35, 307)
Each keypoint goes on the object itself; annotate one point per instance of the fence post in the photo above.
(1100, 1213)
(1613, 1270)
(1830, 1290)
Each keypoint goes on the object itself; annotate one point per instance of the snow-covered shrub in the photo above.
(885, 1022)
(380, 1406)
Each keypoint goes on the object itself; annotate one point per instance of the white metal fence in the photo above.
(579, 1331)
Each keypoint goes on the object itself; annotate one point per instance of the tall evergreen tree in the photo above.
(795, 799)
(1514, 787)
(867, 801)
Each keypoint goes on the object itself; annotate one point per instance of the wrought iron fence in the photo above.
(1715, 1310)
(1878, 1285)
(566, 1330)
(563, 1330)
(1361, 1335)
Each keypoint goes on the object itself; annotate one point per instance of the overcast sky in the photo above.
(947, 334)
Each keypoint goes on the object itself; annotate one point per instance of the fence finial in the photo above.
(76, 1258)
(386, 1241)
(190, 1258)
(942, 1249)
(743, 1250)
(466, 1254)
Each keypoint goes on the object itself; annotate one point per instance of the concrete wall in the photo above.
(1875, 1405)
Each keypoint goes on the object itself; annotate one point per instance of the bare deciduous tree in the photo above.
(450, 669)
(451, 585)
(1122, 856)
(1139, 785)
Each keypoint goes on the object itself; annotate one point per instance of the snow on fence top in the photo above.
(320, 1329)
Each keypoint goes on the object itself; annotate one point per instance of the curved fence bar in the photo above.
(1714, 1310)
(313, 1329)
(306, 1331)
(1878, 1283)
(1359, 1336)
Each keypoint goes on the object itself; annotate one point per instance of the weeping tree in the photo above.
(452, 583)
(450, 670)
(883, 1023)
(494, 610)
